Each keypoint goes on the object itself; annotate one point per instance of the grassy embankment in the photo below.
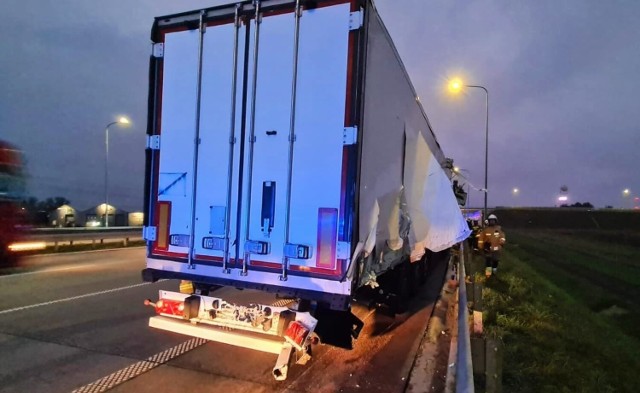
(567, 304)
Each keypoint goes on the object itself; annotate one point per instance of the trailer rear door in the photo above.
(262, 200)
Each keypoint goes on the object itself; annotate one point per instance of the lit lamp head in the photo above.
(455, 85)
(123, 121)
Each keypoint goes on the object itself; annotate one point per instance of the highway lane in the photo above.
(87, 335)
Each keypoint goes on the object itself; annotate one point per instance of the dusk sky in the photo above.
(562, 77)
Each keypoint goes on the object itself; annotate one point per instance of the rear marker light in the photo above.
(296, 334)
(169, 307)
(327, 237)
(164, 215)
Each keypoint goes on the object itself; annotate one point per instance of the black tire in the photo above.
(403, 287)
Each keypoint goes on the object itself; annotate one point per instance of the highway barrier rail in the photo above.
(464, 367)
(71, 236)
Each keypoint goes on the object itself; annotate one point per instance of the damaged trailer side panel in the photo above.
(288, 152)
(406, 203)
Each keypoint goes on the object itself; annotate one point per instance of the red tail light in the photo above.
(170, 307)
(296, 334)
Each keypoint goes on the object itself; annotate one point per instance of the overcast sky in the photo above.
(562, 77)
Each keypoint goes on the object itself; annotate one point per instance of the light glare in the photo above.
(27, 246)
(455, 85)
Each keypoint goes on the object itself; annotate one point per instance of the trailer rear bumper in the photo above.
(258, 343)
(284, 350)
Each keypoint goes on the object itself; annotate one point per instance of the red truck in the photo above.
(11, 190)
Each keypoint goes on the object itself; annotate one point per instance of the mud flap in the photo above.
(337, 328)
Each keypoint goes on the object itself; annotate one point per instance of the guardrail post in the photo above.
(55, 246)
(477, 308)
(478, 355)
(126, 241)
(493, 362)
(93, 243)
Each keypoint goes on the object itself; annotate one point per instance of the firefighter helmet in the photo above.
(492, 217)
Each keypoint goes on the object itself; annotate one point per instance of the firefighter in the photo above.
(491, 241)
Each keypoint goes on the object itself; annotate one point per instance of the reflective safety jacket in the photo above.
(491, 238)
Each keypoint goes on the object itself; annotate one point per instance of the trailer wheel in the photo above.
(414, 278)
(403, 288)
(422, 270)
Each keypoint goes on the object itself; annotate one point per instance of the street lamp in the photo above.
(455, 86)
(625, 194)
(123, 121)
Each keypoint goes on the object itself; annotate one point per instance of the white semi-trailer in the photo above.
(287, 152)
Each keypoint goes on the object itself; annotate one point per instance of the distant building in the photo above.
(95, 216)
(136, 219)
(63, 217)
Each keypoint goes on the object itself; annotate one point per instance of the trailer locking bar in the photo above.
(232, 140)
(292, 139)
(252, 133)
(196, 143)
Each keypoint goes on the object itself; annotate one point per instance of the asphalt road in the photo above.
(77, 322)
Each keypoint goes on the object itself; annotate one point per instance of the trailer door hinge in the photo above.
(158, 50)
(213, 243)
(257, 247)
(356, 20)
(343, 251)
(149, 233)
(153, 142)
(298, 251)
(350, 135)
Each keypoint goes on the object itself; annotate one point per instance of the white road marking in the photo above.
(68, 299)
(62, 269)
(141, 367)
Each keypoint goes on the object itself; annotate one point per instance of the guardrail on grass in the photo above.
(464, 368)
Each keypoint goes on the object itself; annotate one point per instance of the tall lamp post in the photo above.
(455, 86)
(123, 121)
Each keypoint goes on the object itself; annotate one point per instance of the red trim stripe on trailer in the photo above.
(349, 121)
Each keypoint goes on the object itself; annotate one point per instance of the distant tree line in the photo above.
(578, 204)
(37, 211)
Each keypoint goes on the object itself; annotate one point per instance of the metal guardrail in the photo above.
(70, 235)
(464, 367)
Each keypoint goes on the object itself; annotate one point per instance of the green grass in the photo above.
(567, 308)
